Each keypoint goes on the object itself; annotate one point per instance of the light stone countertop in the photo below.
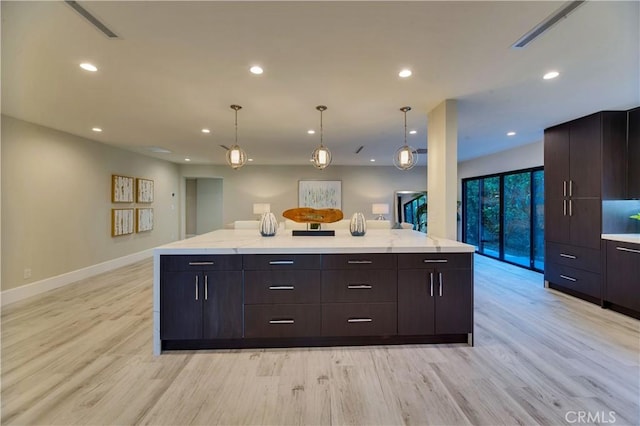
(249, 241)
(623, 238)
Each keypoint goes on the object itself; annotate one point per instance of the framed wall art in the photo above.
(320, 194)
(144, 220)
(144, 191)
(121, 222)
(121, 189)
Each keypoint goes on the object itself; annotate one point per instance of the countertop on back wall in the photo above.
(623, 238)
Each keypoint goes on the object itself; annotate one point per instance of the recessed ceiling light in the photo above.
(97, 129)
(550, 75)
(250, 159)
(373, 160)
(187, 159)
(405, 73)
(256, 69)
(206, 131)
(511, 133)
(311, 132)
(88, 67)
(413, 132)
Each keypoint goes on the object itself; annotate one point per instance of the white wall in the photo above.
(278, 185)
(209, 205)
(56, 202)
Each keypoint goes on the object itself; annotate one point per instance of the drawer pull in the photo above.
(440, 280)
(434, 260)
(359, 262)
(359, 320)
(200, 263)
(282, 321)
(196, 287)
(281, 262)
(206, 287)
(628, 249)
(568, 256)
(431, 283)
(568, 278)
(359, 286)
(280, 287)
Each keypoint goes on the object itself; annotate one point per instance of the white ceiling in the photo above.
(179, 65)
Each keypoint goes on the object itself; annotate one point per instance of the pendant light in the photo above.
(321, 156)
(406, 156)
(236, 157)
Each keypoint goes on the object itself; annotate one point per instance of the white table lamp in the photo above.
(380, 209)
(260, 208)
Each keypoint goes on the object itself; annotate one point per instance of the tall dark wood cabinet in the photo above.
(633, 146)
(201, 297)
(584, 163)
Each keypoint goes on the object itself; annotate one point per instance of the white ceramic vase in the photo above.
(268, 225)
(358, 225)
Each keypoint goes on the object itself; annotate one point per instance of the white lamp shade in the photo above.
(381, 208)
(260, 208)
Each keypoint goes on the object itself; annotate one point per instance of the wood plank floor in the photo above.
(83, 355)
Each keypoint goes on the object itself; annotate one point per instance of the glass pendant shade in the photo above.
(236, 157)
(321, 156)
(406, 156)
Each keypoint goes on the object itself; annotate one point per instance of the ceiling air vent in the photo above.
(92, 19)
(543, 26)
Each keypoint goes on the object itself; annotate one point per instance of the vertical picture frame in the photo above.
(144, 220)
(122, 222)
(144, 190)
(320, 194)
(121, 189)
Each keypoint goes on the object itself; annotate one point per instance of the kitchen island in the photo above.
(235, 288)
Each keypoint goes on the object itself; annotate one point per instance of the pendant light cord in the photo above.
(320, 127)
(405, 131)
(405, 128)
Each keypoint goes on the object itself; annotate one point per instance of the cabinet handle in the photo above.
(568, 278)
(570, 188)
(431, 282)
(281, 262)
(206, 287)
(281, 287)
(564, 207)
(282, 321)
(359, 320)
(359, 286)
(359, 262)
(200, 263)
(196, 287)
(440, 279)
(628, 249)
(564, 188)
(570, 207)
(568, 256)
(434, 260)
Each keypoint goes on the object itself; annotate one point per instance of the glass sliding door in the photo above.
(503, 216)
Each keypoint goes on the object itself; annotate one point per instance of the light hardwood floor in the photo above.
(83, 355)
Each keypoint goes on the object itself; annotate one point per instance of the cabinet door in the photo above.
(633, 146)
(222, 313)
(556, 220)
(454, 301)
(556, 161)
(181, 305)
(585, 222)
(416, 301)
(623, 275)
(585, 161)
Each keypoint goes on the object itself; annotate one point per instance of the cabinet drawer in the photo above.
(435, 260)
(221, 262)
(575, 279)
(573, 256)
(286, 286)
(281, 261)
(282, 320)
(359, 319)
(359, 261)
(360, 286)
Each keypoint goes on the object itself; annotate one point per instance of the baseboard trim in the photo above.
(17, 294)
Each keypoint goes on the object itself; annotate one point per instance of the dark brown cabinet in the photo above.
(435, 294)
(633, 147)
(200, 298)
(584, 163)
(622, 286)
